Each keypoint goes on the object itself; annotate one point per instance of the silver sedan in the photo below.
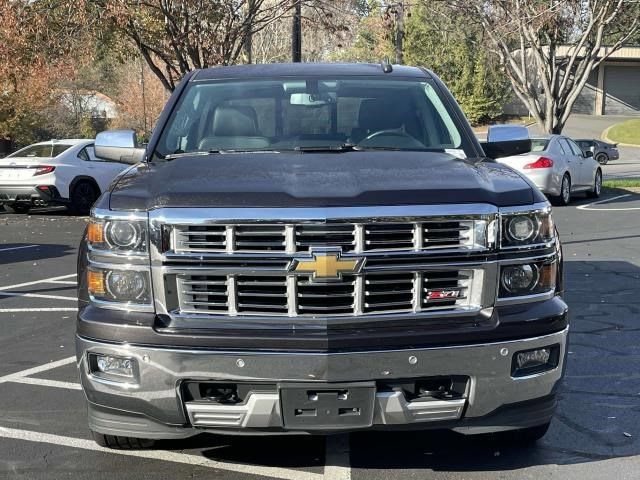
(558, 167)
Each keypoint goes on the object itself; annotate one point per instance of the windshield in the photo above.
(309, 114)
(41, 151)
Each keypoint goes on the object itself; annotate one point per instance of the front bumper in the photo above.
(153, 407)
(29, 194)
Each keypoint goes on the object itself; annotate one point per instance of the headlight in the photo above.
(525, 229)
(519, 278)
(118, 285)
(527, 279)
(118, 236)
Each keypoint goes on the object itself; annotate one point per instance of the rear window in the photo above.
(41, 151)
(539, 144)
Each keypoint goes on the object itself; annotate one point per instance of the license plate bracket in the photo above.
(327, 406)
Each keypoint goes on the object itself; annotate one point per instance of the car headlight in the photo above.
(119, 285)
(527, 279)
(526, 229)
(118, 236)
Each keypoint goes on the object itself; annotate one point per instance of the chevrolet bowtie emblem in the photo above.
(327, 265)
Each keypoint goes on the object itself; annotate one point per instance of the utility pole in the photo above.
(296, 33)
(399, 32)
(248, 36)
(144, 97)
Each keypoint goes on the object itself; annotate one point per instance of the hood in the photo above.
(318, 180)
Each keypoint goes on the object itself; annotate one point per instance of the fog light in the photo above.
(533, 358)
(537, 360)
(112, 367)
(115, 365)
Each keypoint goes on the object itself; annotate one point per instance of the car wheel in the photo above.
(18, 208)
(565, 192)
(602, 158)
(121, 443)
(597, 185)
(83, 196)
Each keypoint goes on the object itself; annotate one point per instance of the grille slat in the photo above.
(422, 234)
(380, 293)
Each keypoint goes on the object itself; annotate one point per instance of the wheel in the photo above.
(597, 185)
(121, 443)
(523, 436)
(83, 196)
(602, 158)
(565, 192)
(17, 208)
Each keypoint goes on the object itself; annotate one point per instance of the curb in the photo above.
(606, 138)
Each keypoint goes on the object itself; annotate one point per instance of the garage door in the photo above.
(586, 101)
(622, 88)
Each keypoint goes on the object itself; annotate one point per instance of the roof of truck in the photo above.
(308, 69)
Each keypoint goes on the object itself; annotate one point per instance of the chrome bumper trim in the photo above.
(262, 410)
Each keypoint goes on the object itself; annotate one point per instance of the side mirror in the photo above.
(119, 146)
(588, 154)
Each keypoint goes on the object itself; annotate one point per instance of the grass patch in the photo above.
(622, 183)
(625, 132)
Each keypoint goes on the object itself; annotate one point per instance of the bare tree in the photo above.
(548, 48)
(177, 36)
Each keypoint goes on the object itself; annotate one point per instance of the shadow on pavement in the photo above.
(32, 254)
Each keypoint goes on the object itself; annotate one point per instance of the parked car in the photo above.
(317, 248)
(58, 172)
(602, 151)
(559, 168)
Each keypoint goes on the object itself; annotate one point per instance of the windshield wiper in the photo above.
(345, 147)
(351, 147)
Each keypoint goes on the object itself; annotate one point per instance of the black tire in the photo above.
(82, 197)
(17, 208)
(597, 185)
(602, 158)
(523, 436)
(122, 443)
(565, 192)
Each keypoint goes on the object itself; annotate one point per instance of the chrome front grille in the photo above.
(213, 264)
(298, 295)
(437, 234)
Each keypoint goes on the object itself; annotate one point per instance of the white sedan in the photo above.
(558, 167)
(59, 172)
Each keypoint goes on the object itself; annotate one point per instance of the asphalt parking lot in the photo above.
(596, 433)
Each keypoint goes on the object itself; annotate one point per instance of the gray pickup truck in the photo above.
(317, 248)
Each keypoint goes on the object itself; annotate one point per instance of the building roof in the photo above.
(623, 53)
(308, 70)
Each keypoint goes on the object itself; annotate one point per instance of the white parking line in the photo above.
(63, 282)
(337, 463)
(48, 383)
(40, 368)
(183, 458)
(17, 248)
(589, 205)
(38, 295)
(44, 309)
(35, 282)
